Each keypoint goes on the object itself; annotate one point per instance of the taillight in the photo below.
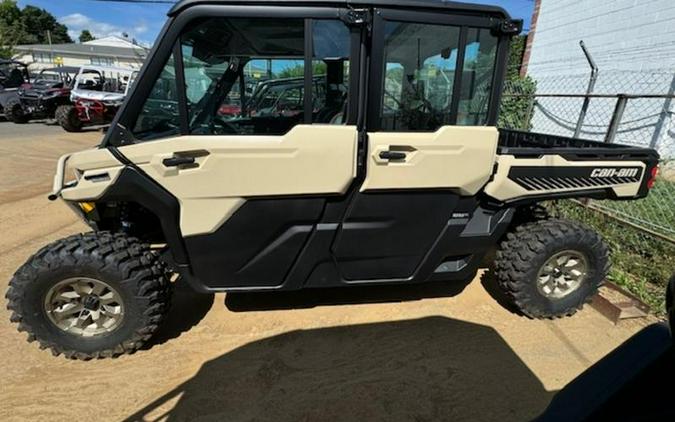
(652, 177)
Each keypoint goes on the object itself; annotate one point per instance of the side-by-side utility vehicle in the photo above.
(394, 174)
(97, 94)
(13, 74)
(40, 99)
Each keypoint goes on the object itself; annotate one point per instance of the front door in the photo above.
(251, 126)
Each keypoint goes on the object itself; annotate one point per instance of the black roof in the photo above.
(450, 6)
(11, 61)
(62, 69)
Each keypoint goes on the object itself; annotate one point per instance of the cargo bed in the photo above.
(531, 144)
(534, 167)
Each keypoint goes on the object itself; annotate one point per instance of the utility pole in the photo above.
(51, 49)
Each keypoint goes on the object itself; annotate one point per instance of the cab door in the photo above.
(250, 124)
(431, 136)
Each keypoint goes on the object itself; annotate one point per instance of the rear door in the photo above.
(431, 139)
(250, 124)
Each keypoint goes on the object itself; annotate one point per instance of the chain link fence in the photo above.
(631, 108)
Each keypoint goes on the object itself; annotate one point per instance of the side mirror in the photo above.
(509, 28)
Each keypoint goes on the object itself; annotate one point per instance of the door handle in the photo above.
(177, 161)
(392, 155)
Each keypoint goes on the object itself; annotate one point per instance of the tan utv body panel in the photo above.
(505, 189)
(453, 157)
(86, 163)
(309, 159)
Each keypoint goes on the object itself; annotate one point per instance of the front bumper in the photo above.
(59, 177)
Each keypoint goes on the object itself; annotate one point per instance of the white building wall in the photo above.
(633, 35)
(75, 60)
(633, 43)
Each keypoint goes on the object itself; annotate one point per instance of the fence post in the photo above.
(528, 114)
(613, 129)
(658, 129)
(589, 89)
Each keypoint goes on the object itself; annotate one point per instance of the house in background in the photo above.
(108, 51)
(633, 44)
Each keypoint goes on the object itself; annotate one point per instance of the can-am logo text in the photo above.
(614, 173)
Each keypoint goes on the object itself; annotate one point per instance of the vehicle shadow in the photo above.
(310, 298)
(428, 369)
(187, 309)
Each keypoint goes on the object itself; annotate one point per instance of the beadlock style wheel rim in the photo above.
(562, 274)
(84, 306)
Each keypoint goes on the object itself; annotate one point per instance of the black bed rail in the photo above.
(532, 144)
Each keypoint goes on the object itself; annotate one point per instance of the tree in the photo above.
(36, 22)
(27, 26)
(11, 31)
(85, 36)
(298, 70)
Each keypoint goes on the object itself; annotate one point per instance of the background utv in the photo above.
(13, 74)
(392, 172)
(40, 99)
(97, 94)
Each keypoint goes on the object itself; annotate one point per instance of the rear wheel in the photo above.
(90, 296)
(67, 117)
(551, 268)
(14, 111)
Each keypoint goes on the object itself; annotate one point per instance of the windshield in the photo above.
(102, 80)
(53, 79)
(46, 77)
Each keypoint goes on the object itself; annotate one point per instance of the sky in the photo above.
(144, 21)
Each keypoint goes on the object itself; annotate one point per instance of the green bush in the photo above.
(517, 103)
(518, 95)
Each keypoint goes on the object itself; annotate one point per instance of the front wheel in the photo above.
(67, 117)
(90, 296)
(14, 111)
(551, 268)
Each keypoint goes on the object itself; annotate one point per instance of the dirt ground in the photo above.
(423, 353)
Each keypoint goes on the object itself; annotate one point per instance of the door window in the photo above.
(330, 69)
(420, 64)
(479, 64)
(422, 89)
(244, 75)
(251, 76)
(159, 115)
